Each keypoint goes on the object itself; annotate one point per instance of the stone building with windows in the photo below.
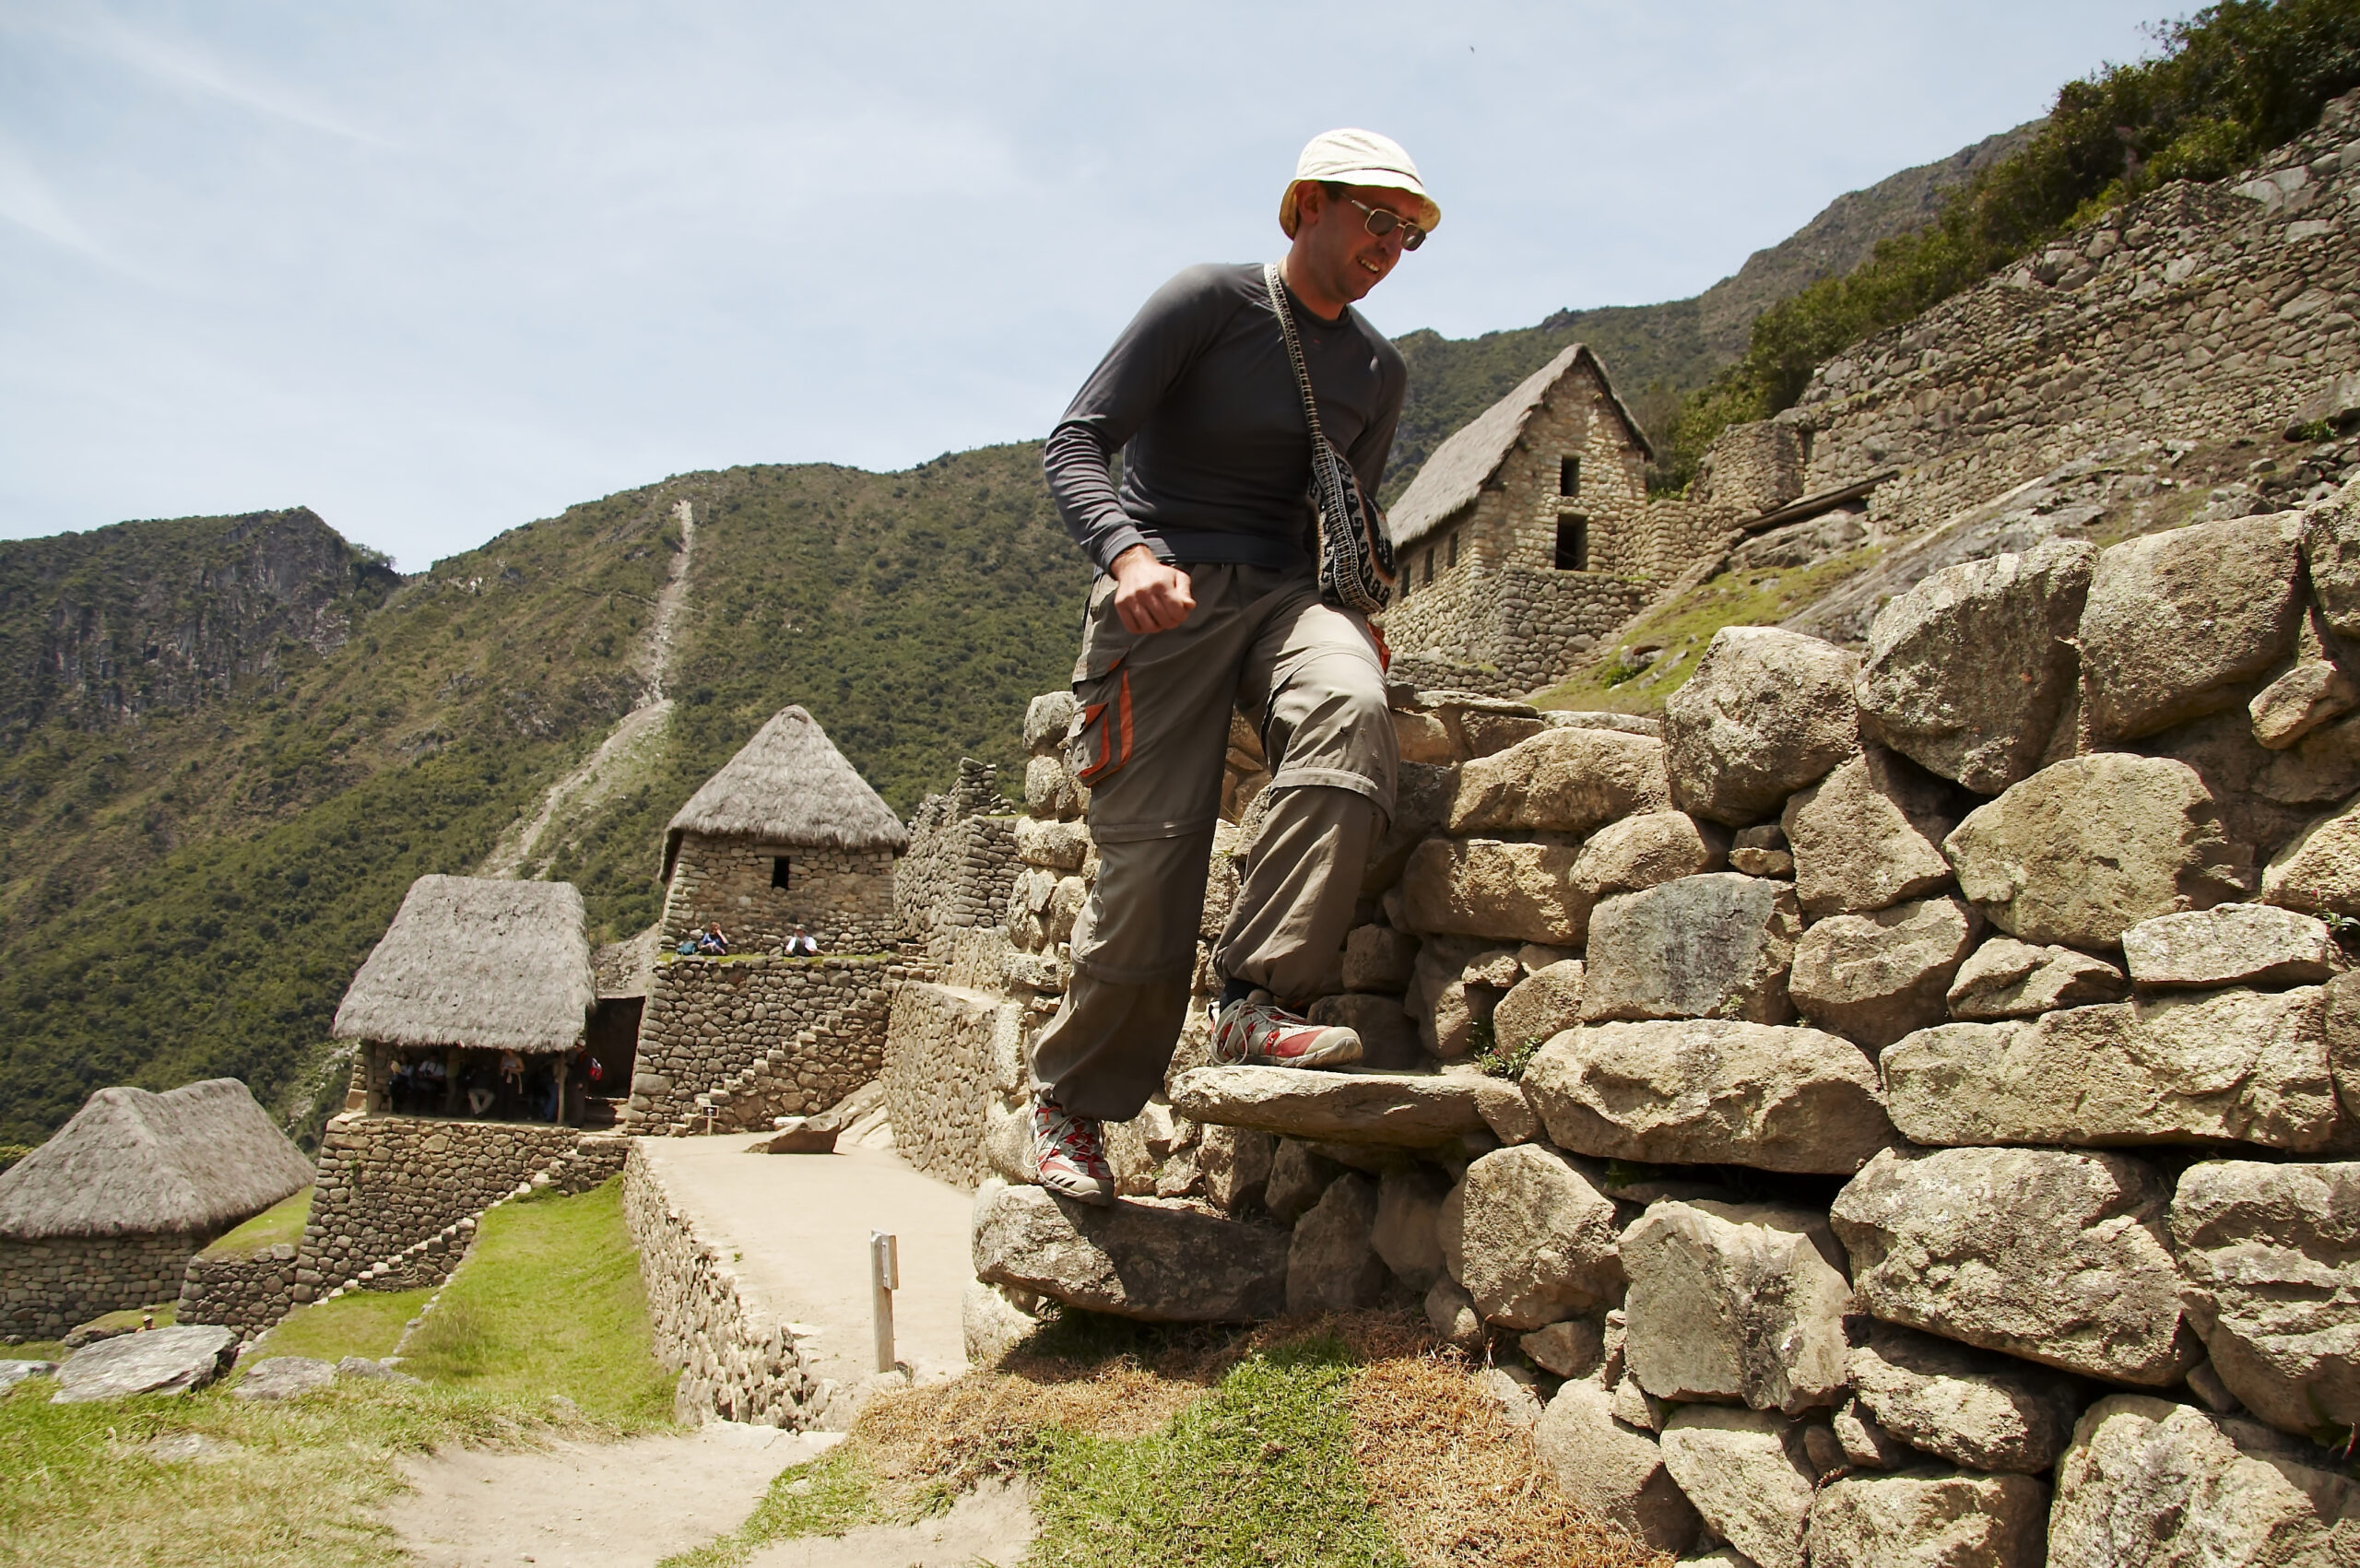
(787, 833)
(1527, 535)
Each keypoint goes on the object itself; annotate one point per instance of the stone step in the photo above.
(1399, 1110)
(1154, 1261)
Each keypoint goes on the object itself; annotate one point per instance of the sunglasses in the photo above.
(1381, 223)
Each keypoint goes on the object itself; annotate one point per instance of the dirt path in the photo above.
(576, 1505)
(629, 749)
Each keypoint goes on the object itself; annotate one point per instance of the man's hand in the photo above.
(1149, 595)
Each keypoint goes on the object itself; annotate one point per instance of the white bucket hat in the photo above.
(1356, 158)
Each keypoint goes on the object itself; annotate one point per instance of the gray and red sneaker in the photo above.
(1069, 1155)
(1259, 1033)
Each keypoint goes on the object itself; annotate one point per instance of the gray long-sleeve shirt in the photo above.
(1197, 395)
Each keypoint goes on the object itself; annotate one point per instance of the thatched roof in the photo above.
(473, 962)
(1461, 466)
(789, 785)
(196, 1160)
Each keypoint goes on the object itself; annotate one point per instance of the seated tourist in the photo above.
(397, 1089)
(802, 944)
(713, 941)
(479, 1094)
(427, 1083)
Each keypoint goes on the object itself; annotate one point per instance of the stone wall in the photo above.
(393, 1192)
(1750, 469)
(960, 865)
(2197, 312)
(1906, 1104)
(941, 1043)
(48, 1286)
(246, 1293)
(753, 1038)
(844, 896)
(738, 1361)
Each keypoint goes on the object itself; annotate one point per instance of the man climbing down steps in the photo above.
(1209, 598)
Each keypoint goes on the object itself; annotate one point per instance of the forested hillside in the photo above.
(1658, 354)
(186, 888)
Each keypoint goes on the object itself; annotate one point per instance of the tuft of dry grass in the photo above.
(1459, 1485)
(1456, 1483)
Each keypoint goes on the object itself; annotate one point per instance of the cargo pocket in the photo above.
(1100, 742)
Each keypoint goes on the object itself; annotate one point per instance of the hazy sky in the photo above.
(437, 269)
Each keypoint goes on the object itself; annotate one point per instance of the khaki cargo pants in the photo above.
(1149, 742)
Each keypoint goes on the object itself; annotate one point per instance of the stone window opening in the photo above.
(1573, 543)
(779, 875)
(1569, 475)
(1430, 566)
(1452, 544)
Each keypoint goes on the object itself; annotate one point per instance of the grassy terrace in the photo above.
(1340, 1442)
(549, 1303)
(283, 1222)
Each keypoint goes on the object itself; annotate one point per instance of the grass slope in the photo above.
(292, 1485)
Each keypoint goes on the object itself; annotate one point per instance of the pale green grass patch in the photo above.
(359, 1323)
(282, 1221)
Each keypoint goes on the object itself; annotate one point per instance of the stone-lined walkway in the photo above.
(797, 1226)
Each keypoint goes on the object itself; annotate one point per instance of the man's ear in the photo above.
(1309, 202)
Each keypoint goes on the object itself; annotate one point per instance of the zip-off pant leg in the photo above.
(1149, 743)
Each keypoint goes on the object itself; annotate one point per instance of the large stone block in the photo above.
(2054, 1257)
(2005, 978)
(2170, 1486)
(2331, 552)
(1235, 1165)
(1868, 836)
(1454, 986)
(1736, 1302)
(1611, 1470)
(1153, 1261)
(1299, 1173)
(2299, 701)
(1332, 1264)
(1746, 1473)
(1715, 945)
(1514, 892)
(1979, 1410)
(2272, 1255)
(1377, 958)
(2213, 1067)
(1646, 851)
(1930, 1518)
(1404, 1110)
(1873, 978)
(1532, 1239)
(1421, 796)
(1542, 1004)
(2231, 944)
(1050, 791)
(2087, 848)
(2320, 871)
(2177, 623)
(1408, 1233)
(1708, 1092)
(161, 1360)
(1046, 718)
(2343, 1026)
(1968, 671)
(1567, 780)
(1767, 712)
(1055, 846)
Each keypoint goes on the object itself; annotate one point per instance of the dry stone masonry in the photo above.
(1897, 1113)
(844, 896)
(48, 1286)
(730, 1044)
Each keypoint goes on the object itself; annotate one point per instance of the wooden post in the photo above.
(885, 1274)
(451, 1080)
(564, 1060)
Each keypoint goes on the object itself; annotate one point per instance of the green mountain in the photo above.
(1657, 354)
(231, 743)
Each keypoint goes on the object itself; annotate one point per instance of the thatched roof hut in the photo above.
(477, 963)
(788, 785)
(193, 1161)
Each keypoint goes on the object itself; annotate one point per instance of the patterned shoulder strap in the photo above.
(1295, 349)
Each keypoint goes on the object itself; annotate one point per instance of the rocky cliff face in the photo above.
(105, 627)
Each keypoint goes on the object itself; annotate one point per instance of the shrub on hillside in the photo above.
(2228, 84)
